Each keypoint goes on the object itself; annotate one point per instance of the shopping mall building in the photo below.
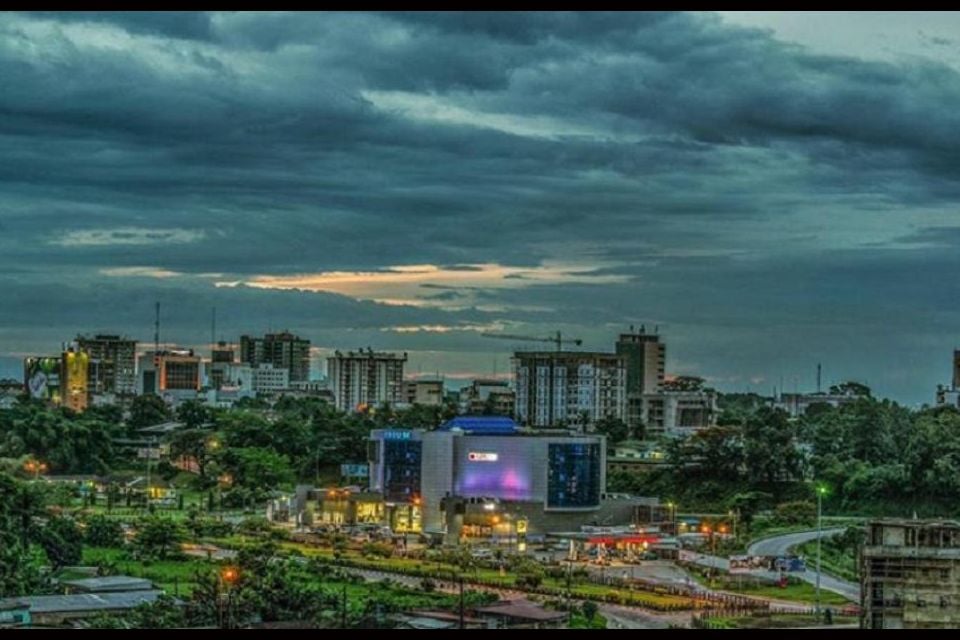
(482, 477)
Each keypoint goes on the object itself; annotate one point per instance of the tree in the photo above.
(20, 570)
(257, 469)
(158, 538)
(62, 541)
(103, 532)
(193, 414)
(196, 445)
(615, 429)
(799, 512)
(850, 388)
(684, 383)
(747, 504)
(147, 410)
(770, 450)
(590, 610)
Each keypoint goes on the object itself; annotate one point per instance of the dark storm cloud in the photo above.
(751, 194)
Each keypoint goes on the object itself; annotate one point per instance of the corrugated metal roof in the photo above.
(85, 601)
(482, 425)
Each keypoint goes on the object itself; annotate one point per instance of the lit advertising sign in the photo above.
(75, 379)
(482, 456)
(396, 435)
(354, 470)
(42, 377)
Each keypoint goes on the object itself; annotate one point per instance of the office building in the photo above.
(910, 575)
(363, 379)
(112, 368)
(268, 380)
(569, 388)
(489, 398)
(282, 350)
(174, 374)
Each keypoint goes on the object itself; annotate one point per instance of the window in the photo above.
(573, 475)
(401, 469)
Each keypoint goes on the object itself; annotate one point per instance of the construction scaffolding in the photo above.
(910, 575)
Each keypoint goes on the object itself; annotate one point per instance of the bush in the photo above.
(796, 513)
(101, 531)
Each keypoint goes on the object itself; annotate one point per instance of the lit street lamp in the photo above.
(228, 577)
(35, 467)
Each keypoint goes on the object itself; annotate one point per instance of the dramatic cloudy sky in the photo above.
(772, 190)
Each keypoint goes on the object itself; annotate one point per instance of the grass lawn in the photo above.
(795, 591)
(835, 562)
(176, 577)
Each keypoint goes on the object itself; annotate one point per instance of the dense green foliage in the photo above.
(873, 456)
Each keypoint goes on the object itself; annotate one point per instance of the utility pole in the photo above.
(820, 492)
(462, 626)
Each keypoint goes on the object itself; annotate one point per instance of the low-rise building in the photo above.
(427, 393)
(675, 413)
(488, 397)
(269, 380)
(58, 610)
(632, 456)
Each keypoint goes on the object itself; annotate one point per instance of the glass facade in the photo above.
(573, 475)
(401, 470)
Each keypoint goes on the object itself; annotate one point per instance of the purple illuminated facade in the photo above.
(507, 468)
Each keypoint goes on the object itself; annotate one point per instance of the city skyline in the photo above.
(769, 193)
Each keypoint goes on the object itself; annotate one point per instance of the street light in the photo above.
(821, 491)
(228, 577)
(35, 467)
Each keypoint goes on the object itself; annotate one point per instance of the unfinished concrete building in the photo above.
(910, 575)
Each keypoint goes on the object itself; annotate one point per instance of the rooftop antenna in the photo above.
(818, 377)
(156, 330)
(213, 332)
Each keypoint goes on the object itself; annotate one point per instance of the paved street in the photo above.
(780, 545)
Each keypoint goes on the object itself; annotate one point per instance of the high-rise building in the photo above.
(282, 350)
(368, 378)
(572, 388)
(910, 575)
(174, 372)
(75, 385)
(646, 360)
(113, 361)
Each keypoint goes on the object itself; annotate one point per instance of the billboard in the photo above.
(42, 378)
(354, 470)
(75, 366)
(748, 564)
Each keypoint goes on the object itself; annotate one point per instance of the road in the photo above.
(781, 545)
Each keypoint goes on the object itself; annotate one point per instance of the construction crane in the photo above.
(557, 339)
